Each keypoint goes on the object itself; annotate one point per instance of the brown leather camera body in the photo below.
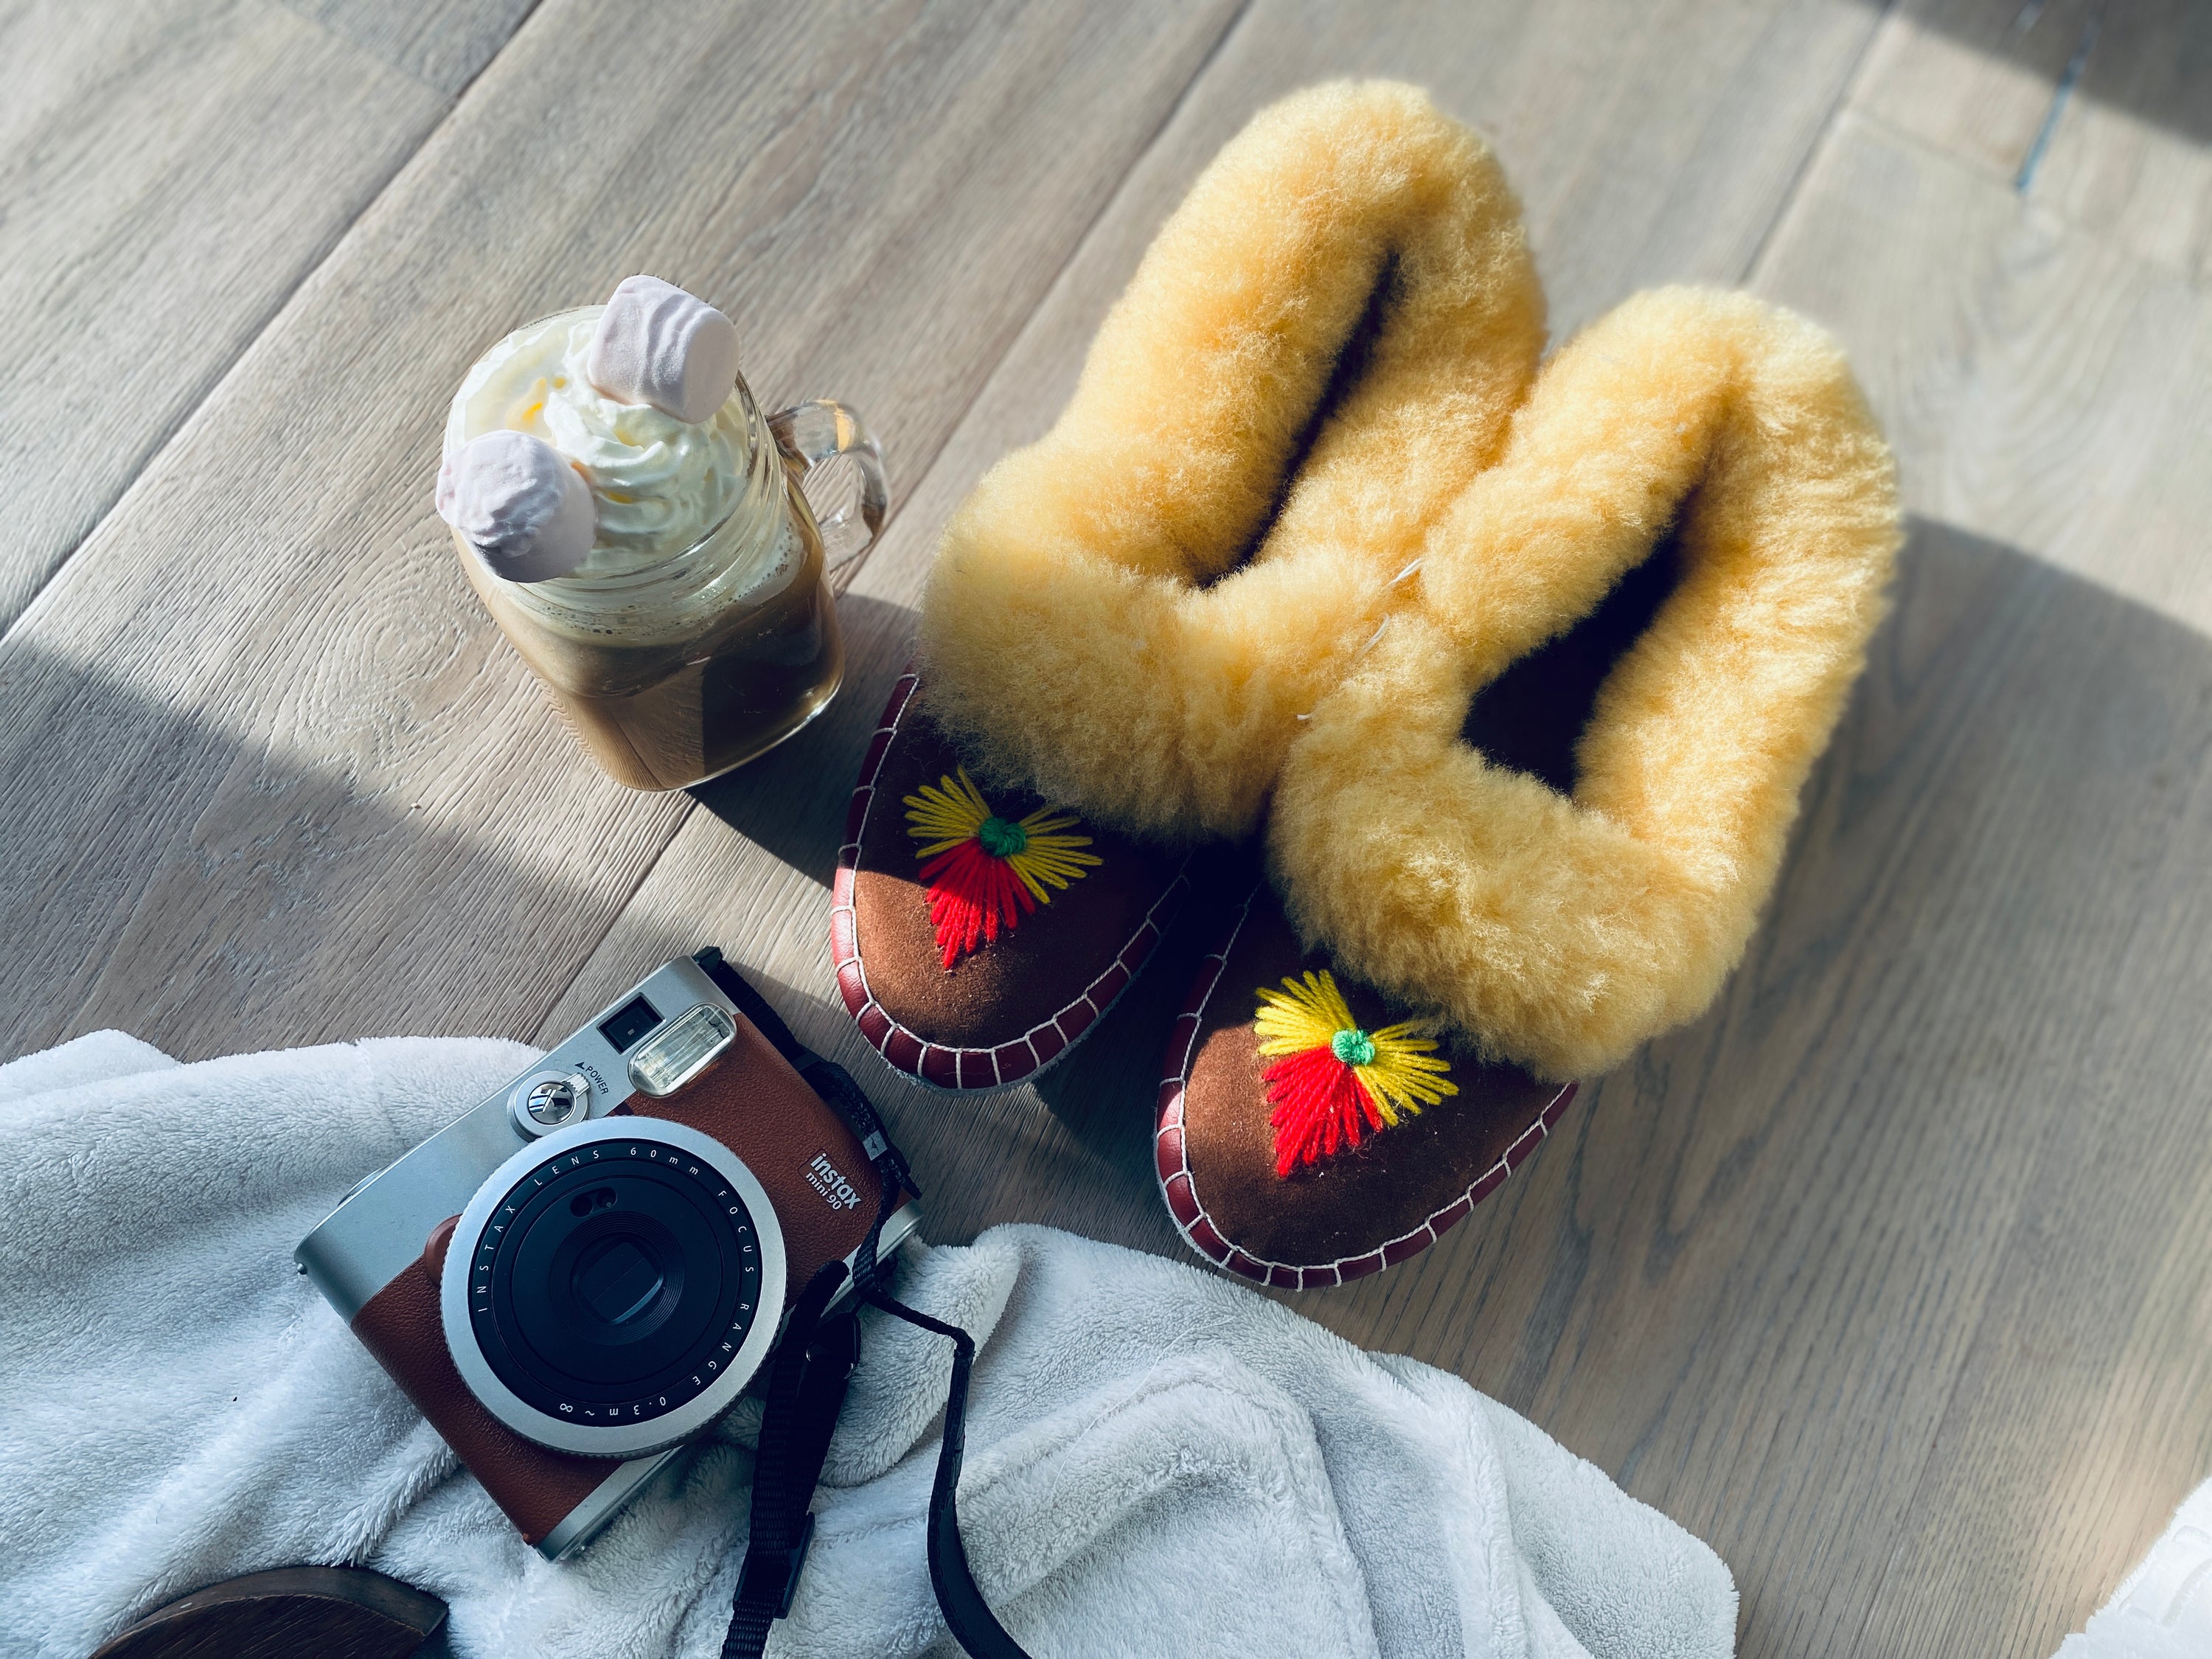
(753, 1102)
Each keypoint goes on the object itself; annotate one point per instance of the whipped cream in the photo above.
(658, 484)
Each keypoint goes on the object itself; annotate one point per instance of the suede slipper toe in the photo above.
(977, 931)
(1308, 1132)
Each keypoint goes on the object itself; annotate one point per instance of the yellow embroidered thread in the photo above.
(1405, 1073)
(950, 811)
(983, 872)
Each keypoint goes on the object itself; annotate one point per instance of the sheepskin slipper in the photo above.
(1307, 1133)
(978, 931)
(1535, 824)
(1558, 929)
(1093, 627)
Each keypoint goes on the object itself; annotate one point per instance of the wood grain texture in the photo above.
(2096, 111)
(1757, 1275)
(444, 45)
(1873, 1278)
(169, 172)
(2042, 385)
(2046, 388)
(1886, 1278)
(270, 774)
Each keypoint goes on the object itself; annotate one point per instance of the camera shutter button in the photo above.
(546, 1101)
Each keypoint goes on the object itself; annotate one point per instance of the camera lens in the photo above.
(618, 1279)
(614, 1282)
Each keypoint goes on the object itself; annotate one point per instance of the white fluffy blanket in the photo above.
(1159, 1461)
(2163, 1610)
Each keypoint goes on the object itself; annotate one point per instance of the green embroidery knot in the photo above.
(1001, 837)
(1353, 1048)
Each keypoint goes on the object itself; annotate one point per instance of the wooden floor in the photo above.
(1892, 1278)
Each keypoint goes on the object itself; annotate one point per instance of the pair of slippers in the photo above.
(1513, 668)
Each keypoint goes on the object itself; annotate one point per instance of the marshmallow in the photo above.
(517, 501)
(657, 344)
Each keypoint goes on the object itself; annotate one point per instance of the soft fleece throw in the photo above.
(2163, 1610)
(1159, 1461)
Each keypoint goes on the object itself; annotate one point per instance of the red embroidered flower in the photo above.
(986, 873)
(1331, 1081)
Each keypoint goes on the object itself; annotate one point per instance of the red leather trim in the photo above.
(1179, 1186)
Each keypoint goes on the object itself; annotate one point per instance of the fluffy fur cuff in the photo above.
(1093, 629)
(1562, 932)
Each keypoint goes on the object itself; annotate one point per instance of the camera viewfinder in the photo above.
(628, 1024)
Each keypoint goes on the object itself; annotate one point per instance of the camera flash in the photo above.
(681, 1049)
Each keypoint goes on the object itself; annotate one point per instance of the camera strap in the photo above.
(805, 1390)
(966, 1614)
(813, 1368)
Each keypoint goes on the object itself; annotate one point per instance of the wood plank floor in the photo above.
(1887, 1277)
(148, 237)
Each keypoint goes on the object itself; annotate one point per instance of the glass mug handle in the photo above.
(814, 435)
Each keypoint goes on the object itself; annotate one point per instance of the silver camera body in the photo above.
(481, 1211)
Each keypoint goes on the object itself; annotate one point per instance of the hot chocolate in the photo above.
(684, 622)
(662, 707)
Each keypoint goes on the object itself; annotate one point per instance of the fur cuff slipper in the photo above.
(1093, 626)
(1335, 1098)
(1311, 516)
(1562, 930)
(1097, 661)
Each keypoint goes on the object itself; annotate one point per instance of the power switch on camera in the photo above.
(546, 1101)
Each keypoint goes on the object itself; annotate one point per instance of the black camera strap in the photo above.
(813, 1367)
(966, 1614)
(805, 1390)
(826, 1077)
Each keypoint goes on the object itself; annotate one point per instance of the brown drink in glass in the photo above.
(701, 630)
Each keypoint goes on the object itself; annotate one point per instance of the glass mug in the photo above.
(707, 658)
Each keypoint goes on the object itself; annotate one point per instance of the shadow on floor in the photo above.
(1918, 1169)
(792, 801)
(2013, 714)
(2150, 57)
(1966, 847)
